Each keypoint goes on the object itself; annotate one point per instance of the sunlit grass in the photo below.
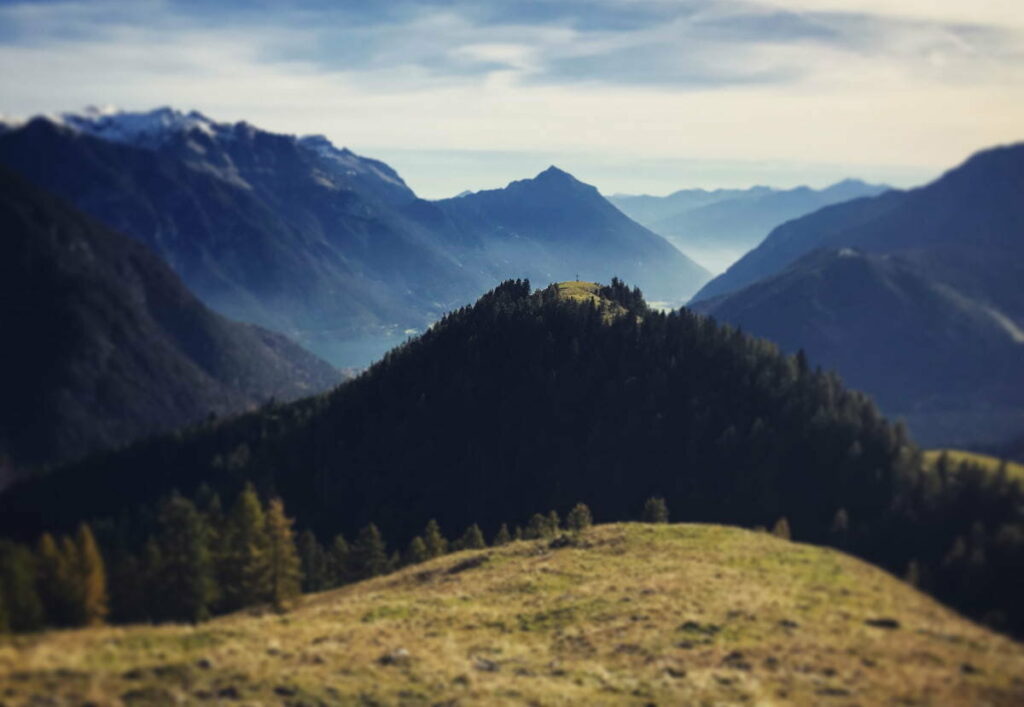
(632, 613)
(957, 457)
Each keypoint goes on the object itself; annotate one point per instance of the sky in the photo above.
(634, 96)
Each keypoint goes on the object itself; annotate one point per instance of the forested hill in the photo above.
(531, 400)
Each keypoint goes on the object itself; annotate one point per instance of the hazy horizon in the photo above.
(648, 96)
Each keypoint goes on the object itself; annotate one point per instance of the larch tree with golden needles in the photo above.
(245, 560)
(93, 577)
(284, 569)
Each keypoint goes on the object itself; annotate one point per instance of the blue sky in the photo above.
(631, 95)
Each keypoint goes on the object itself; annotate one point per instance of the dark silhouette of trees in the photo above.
(655, 510)
(579, 518)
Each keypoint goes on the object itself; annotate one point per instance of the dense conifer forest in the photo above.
(531, 400)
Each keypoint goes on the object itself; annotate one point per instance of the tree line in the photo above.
(203, 560)
(528, 399)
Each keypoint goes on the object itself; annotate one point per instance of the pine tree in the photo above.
(339, 562)
(520, 534)
(781, 529)
(5, 622)
(503, 537)
(73, 589)
(153, 564)
(436, 543)
(184, 579)
(284, 569)
(24, 610)
(472, 539)
(54, 582)
(128, 588)
(245, 561)
(655, 510)
(579, 518)
(93, 578)
(554, 523)
(538, 527)
(314, 563)
(416, 552)
(369, 554)
(216, 523)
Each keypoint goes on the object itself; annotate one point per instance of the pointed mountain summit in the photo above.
(310, 239)
(555, 227)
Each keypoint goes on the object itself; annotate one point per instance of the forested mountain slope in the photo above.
(582, 393)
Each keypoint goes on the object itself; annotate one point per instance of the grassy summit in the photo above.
(579, 291)
(672, 614)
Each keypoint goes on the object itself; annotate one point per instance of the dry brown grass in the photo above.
(632, 614)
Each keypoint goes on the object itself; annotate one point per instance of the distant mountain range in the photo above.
(916, 298)
(330, 248)
(717, 227)
(103, 343)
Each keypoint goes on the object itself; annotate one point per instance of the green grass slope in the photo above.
(956, 457)
(628, 614)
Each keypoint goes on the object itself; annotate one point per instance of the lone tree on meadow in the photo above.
(781, 529)
(655, 510)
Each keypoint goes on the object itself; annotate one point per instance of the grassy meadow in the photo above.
(623, 614)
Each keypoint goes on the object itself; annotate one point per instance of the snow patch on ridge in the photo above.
(146, 128)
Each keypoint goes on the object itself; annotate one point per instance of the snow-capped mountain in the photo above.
(315, 241)
(149, 129)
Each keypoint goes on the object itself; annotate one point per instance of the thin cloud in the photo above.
(792, 81)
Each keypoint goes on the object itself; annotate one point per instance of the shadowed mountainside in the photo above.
(105, 344)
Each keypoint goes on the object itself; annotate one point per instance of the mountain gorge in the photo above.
(332, 249)
(717, 227)
(105, 344)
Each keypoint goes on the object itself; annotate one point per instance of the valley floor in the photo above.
(623, 614)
